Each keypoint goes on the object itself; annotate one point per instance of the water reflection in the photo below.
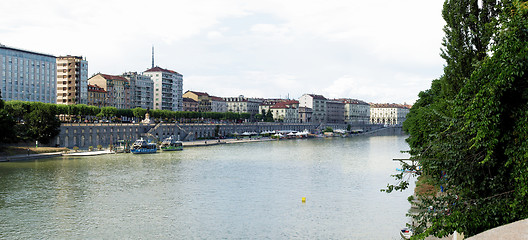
(229, 191)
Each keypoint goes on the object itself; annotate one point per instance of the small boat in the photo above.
(142, 146)
(406, 233)
(171, 144)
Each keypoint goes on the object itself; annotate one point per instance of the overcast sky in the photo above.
(376, 51)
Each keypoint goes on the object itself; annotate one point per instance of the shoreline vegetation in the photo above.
(468, 132)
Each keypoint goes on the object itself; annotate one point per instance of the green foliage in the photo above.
(42, 123)
(139, 112)
(328, 129)
(7, 134)
(108, 112)
(469, 132)
(269, 116)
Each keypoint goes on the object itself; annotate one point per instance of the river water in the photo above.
(230, 191)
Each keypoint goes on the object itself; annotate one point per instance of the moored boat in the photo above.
(171, 144)
(406, 233)
(142, 146)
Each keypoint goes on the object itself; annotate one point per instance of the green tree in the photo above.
(42, 123)
(139, 112)
(108, 112)
(269, 116)
(469, 132)
(6, 124)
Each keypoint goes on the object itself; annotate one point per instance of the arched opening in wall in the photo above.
(58, 142)
(66, 142)
(90, 140)
(75, 143)
(82, 141)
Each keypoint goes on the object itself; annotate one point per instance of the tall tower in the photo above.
(152, 56)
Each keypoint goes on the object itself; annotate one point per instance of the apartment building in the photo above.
(203, 99)
(286, 111)
(242, 104)
(72, 80)
(117, 88)
(388, 114)
(218, 104)
(141, 90)
(27, 75)
(97, 96)
(168, 88)
(318, 105)
(357, 112)
(335, 112)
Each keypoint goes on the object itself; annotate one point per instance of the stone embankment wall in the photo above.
(84, 135)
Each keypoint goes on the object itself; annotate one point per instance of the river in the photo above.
(230, 191)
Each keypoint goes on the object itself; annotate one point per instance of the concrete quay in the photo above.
(84, 135)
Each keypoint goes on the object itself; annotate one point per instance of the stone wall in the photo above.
(84, 135)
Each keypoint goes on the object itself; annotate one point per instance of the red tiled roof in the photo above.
(112, 77)
(95, 88)
(218, 99)
(286, 104)
(158, 69)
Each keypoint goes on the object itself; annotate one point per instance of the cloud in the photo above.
(373, 50)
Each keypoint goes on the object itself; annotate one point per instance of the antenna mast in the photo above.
(152, 56)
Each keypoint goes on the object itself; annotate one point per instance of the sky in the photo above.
(382, 51)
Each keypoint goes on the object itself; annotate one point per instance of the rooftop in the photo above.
(112, 77)
(25, 51)
(158, 69)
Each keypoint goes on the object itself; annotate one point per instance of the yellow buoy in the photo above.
(303, 199)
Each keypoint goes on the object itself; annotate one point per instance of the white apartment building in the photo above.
(287, 111)
(141, 90)
(72, 80)
(388, 114)
(168, 88)
(27, 76)
(318, 105)
(242, 104)
(357, 112)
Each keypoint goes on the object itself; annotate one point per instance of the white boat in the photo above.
(406, 233)
(171, 144)
(141, 146)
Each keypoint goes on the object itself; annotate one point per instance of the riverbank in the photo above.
(212, 142)
(47, 152)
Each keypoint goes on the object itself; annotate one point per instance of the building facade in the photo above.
(97, 96)
(357, 112)
(203, 99)
(141, 90)
(335, 112)
(117, 88)
(72, 80)
(242, 104)
(27, 76)
(388, 114)
(218, 104)
(168, 88)
(318, 105)
(287, 111)
(189, 105)
(305, 115)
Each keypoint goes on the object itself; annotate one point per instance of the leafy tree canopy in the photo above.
(469, 131)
